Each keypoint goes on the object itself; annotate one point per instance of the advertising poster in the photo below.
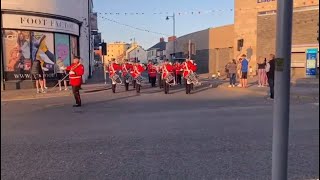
(73, 47)
(17, 58)
(43, 50)
(62, 48)
(311, 64)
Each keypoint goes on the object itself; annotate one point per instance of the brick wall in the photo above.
(304, 31)
(219, 58)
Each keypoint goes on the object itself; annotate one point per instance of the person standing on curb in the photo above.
(239, 75)
(37, 74)
(232, 69)
(261, 73)
(244, 71)
(270, 69)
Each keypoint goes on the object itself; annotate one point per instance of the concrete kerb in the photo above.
(263, 92)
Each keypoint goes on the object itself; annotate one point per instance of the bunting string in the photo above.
(203, 12)
(133, 27)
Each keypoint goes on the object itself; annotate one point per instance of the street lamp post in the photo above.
(174, 32)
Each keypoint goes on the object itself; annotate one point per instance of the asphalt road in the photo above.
(212, 134)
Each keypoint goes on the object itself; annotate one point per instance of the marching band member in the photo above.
(76, 71)
(152, 72)
(137, 70)
(159, 75)
(113, 68)
(178, 72)
(148, 67)
(126, 70)
(166, 71)
(188, 68)
(132, 74)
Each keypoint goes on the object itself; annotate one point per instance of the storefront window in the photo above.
(73, 46)
(16, 49)
(43, 49)
(62, 48)
(21, 48)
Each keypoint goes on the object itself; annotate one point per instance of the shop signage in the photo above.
(311, 62)
(26, 22)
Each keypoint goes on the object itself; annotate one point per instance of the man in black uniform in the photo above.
(270, 74)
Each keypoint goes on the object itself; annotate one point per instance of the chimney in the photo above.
(171, 38)
(162, 39)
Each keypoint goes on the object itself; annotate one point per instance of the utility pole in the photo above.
(174, 33)
(282, 90)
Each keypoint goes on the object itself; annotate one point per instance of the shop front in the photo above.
(27, 36)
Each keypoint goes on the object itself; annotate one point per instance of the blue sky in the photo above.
(185, 23)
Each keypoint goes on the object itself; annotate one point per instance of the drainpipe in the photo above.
(89, 27)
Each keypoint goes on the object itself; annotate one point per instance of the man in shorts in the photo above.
(37, 75)
(244, 71)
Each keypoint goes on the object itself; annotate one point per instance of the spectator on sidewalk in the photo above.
(45, 71)
(244, 71)
(239, 71)
(270, 68)
(232, 69)
(261, 73)
(61, 73)
(37, 75)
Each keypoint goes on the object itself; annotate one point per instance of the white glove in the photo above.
(45, 69)
(72, 72)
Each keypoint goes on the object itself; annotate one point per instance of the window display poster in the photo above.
(16, 49)
(43, 50)
(62, 48)
(73, 46)
(311, 64)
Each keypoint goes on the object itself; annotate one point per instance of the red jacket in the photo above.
(126, 68)
(76, 79)
(137, 70)
(160, 67)
(152, 70)
(178, 68)
(113, 68)
(167, 68)
(188, 67)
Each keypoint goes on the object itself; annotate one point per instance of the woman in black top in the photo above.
(262, 73)
(37, 74)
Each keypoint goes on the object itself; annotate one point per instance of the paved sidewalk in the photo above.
(309, 89)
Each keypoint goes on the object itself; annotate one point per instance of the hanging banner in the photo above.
(311, 62)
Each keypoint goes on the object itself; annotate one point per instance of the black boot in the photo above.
(114, 88)
(127, 86)
(138, 88)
